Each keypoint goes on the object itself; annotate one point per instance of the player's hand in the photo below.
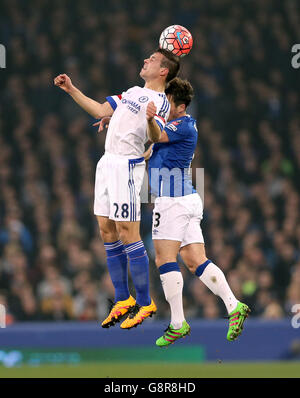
(150, 110)
(103, 123)
(64, 82)
(147, 154)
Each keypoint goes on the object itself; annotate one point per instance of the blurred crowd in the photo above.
(52, 260)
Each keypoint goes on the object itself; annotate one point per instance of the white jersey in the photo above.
(127, 131)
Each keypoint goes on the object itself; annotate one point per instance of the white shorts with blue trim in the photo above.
(178, 218)
(118, 185)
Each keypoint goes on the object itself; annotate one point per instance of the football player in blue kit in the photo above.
(177, 214)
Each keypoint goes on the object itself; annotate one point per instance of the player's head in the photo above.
(162, 65)
(180, 94)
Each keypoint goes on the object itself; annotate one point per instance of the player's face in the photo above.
(152, 67)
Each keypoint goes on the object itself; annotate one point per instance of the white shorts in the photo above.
(178, 219)
(118, 184)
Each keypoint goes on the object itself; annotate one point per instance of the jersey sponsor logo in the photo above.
(131, 105)
(143, 99)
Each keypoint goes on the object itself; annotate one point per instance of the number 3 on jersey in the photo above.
(124, 213)
(156, 219)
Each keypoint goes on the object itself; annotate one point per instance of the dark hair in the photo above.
(181, 91)
(170, 61)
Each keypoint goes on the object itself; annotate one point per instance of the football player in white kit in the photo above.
(119, 177)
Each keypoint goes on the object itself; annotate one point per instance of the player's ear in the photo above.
(164, 72)
(181, 108)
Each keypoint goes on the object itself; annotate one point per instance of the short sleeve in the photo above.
(174, 132)
(114, 100)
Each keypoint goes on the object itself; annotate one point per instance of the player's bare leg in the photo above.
(108, 230)
(117, 267)
(165, 251)
(194, 257)
(129, 233)
(172, 282)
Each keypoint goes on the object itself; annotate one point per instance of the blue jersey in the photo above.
(169, 164)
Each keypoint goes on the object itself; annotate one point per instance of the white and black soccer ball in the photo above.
(177, 39)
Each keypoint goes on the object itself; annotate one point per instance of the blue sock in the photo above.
(199, 271)
(139, 269)
(117, 268)
(168, 267)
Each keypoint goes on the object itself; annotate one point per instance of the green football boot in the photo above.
(171, 335)
(236, 321)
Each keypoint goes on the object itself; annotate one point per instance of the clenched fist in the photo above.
(150, 110)
(64, 82)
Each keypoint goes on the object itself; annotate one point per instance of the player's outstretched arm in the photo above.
(153, 130)
(92, 107)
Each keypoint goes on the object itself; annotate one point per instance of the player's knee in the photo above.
(192, 261)
(126, 236)
(109, 236)
(164, 259)
(107, 230)
(128, 232)
(192, 267)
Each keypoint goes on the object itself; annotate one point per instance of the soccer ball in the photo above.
(176, 39)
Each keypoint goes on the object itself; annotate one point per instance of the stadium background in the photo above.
(52, 261)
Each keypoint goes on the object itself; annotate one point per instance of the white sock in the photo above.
(214, 278)
(172, 283)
